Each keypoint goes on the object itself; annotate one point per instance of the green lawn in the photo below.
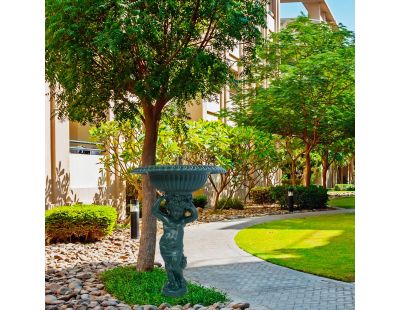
(144, 288)
(347, 202)
(321, 245)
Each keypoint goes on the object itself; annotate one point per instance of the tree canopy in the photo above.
(308, 69)
(123, 53)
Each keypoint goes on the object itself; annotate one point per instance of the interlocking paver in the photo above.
(215, 260)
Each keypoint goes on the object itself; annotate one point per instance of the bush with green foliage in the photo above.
(345, 187)
(312, 197)
(261, 195)
(200, 201)
(79, 223)
(230, 203)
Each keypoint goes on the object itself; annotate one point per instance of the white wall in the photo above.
(84, 170)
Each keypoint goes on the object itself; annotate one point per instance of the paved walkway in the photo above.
(215, 260)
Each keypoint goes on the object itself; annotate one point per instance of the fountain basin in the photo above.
(178, 178)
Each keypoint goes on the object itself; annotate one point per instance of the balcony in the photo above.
(84, 147)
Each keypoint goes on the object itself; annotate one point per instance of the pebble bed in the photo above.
(72, 269)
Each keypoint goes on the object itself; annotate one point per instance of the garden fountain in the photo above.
(177, 182)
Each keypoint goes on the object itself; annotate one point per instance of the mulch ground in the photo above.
(209, 215)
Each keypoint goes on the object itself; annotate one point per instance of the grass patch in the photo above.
(343, 193)
(346, 203)
(144, 288)
(321, 245)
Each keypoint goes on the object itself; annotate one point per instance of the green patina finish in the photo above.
(177, 182)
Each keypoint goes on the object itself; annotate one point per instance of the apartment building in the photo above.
(72, 161)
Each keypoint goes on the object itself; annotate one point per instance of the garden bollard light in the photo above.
(290, 199)
(135, 219)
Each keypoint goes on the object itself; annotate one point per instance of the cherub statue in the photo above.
(174, 217)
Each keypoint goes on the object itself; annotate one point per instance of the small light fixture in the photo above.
(134, 207)
(290, 199)
(135, 210)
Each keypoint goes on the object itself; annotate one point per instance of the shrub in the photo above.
(230, 203)
(261, 195)
(345, 187)
(200, 201)
(279, 194)
(312, 197)
(79, 223)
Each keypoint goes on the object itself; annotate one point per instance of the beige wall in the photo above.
(72, 178)
(79, 132)
(47, 131)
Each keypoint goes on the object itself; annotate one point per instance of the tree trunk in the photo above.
(307, 176)
(147, 246)
(293, 176)
(218, 193)
(325, 167)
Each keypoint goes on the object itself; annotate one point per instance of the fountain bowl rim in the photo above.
(178, 168)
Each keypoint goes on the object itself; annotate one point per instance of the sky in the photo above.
(342, 10)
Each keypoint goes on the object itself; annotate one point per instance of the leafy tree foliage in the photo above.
(121, 142)
(135, 57)
(245, 153)
(310, 95)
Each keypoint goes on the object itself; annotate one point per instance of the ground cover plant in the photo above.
(230, 203)
(79, 223)
(347, 202)
(345, 187)
(321, 245)
(142, 288)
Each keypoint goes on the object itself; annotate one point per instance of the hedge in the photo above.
(345, 187)
(230, 203)
(312, 197)
(200, 201)
(79, 223)
(261, 195)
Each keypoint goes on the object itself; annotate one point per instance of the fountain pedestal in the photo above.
(175, 209)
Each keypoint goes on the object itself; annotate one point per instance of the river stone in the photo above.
(63, 290)
(52, 300)
(54, 287)
(149, 307)
(84, 275)
(218, 305)
(106, 303)
(241, 305)
(75, 285)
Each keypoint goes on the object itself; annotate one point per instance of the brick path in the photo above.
(215, 260)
